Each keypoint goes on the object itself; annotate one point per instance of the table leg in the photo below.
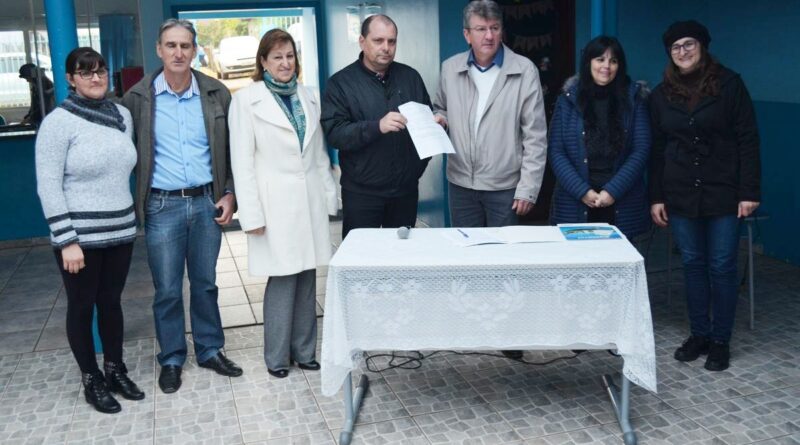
(621, 404)
(750, 284)
(352, 403)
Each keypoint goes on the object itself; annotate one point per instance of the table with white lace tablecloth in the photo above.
(426, 293)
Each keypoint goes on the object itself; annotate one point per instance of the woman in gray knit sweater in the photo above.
(84, 159)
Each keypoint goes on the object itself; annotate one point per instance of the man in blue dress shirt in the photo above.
(184, 194)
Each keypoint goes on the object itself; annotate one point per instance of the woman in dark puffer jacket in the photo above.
(600, 142)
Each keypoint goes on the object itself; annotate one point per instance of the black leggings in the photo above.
(100, 283)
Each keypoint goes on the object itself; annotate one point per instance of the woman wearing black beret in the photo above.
(704, 177)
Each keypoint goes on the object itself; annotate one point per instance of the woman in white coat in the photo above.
(285, 191)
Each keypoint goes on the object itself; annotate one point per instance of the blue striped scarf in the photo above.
(296, 116)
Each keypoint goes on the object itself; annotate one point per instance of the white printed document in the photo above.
(473, 236)
(429, 137)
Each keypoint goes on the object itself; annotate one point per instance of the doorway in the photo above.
(227, 41)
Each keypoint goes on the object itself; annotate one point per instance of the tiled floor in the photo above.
(450, 399)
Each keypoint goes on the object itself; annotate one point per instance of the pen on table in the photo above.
(462, 233)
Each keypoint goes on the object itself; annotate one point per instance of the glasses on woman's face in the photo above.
(687, 46)
(102, 73)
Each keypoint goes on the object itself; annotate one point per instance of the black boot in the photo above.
(97, 395)
(692, 348)
(719, 356)
(118, 381)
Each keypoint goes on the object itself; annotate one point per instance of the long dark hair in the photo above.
(678, 91)
(617, 94)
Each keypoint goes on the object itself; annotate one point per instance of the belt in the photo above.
(183, 193)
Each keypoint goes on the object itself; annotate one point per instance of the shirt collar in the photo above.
(382, 78)
(160, 85)
(498, 60)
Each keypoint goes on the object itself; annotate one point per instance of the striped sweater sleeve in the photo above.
(52, 143)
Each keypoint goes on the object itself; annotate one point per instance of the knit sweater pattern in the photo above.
(83, 172)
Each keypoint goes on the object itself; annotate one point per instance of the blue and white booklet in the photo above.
(589, 231)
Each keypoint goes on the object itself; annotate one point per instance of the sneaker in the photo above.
(719, 356)
(693, 347)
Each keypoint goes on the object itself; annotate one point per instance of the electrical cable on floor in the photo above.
(413, 359)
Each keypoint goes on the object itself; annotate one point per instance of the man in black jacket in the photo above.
(380, 166)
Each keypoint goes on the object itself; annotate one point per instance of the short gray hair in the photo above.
(485, 9)
(172, 23)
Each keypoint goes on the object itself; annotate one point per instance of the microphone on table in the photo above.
(403, 232)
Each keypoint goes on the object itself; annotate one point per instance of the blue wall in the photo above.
(22, 215)
(765, 57)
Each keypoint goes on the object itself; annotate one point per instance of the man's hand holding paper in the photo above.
(426, 131)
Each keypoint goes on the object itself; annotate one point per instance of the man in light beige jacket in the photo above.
(493, 104)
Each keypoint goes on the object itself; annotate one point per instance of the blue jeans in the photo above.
(709, 248)
(477, 208)
(182, 232)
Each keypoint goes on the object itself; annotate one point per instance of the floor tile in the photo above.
(379, 404)
(478, 424)
(749, 419)
(793, 439)
(26, 300)
(139, 289)
(232, 296)
(241, 262)
(8, 364)
(202, 390)
(393, 432)
(248, 279)
(244, 337)
(318, 438)
(208, 427)
(258, 312)
(228, 279)
(20, 341)
(40, 399)
(239, 315)
(226, 265)
(543, 414)
(225, 252)
(52, 338)
(255, 292)
(429, 390)
(11, 322)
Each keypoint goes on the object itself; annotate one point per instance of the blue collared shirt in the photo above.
(182, 156)
(498, 60)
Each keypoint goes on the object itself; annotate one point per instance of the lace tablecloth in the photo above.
(424, 293)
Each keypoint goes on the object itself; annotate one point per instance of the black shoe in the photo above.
(222, 366)
(118, 381)
(281, 373)
(719, 356)
(170, 378)
(97, 395)
(693, 347)
(313, 365)
(513, 355)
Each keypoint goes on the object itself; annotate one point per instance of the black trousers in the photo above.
(601, 214)
(361, 211)
(100, 283)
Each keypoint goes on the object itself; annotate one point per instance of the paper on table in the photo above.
(474, 236)
(589, 231)
(428, 136)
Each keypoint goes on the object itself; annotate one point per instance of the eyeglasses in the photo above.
(688, 46)
(102, 73)
(481, 30)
